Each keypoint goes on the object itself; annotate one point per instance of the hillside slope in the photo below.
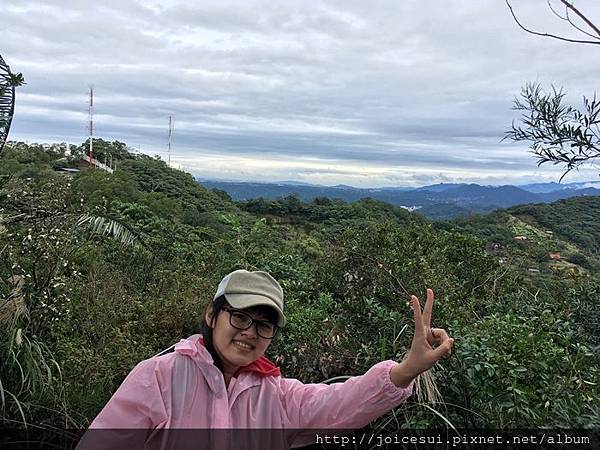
(563, 236)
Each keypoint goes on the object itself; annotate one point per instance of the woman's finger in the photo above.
(444, 350)
(428, 309)
(419, 330)
(439, 335)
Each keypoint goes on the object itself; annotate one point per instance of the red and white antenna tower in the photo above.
(171, 122)
(91, 128)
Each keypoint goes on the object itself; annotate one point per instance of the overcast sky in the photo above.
(378, 93)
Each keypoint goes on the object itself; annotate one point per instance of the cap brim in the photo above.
(241, 301)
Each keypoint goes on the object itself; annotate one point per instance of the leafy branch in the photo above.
(559, 133)
(16, 79)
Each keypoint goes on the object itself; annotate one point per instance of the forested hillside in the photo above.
(99, 271)
(436, 202)
(576, 220)
(562, 238)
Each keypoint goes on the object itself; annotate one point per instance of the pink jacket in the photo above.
(184, 390)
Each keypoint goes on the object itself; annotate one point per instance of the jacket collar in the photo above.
(194, 347)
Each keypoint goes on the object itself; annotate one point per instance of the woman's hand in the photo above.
(428, 346)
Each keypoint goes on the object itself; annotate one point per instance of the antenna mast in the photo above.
(170, 133)
(91, 128)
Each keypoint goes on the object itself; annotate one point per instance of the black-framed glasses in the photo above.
(242, 321)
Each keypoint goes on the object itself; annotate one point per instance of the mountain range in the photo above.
(437, 201)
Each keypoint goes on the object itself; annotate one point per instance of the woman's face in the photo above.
(237, 348)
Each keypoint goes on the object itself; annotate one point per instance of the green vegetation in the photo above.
(101, 271)
(569, 228)
(575, 220)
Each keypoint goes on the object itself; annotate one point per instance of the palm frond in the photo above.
(109, 227)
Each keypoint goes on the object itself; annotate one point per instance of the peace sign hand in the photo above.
(428, 345)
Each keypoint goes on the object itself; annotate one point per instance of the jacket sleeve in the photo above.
(135, 409)
(349, 405)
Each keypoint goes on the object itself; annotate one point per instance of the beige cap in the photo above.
(244, 289)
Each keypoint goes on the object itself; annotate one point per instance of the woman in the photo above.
(222, 381)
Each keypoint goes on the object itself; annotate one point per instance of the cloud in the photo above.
(381, 91)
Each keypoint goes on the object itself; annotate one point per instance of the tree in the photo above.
(8, 82)
(559, 133)
(105, 151)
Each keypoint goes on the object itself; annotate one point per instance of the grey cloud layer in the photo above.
(422, 85)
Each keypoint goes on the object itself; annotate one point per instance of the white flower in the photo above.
(19, 337)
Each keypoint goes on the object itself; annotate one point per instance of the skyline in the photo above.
(385, 94)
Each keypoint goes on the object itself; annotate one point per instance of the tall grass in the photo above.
(30, 377)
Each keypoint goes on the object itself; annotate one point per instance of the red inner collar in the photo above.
(262, 366)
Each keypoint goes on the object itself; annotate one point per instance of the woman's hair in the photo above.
(206, 329)
(218, 304)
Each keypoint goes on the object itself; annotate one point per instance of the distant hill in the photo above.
(441, 201)
(569, 229)
(441, 187)
(575, 219)
(541, 188)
